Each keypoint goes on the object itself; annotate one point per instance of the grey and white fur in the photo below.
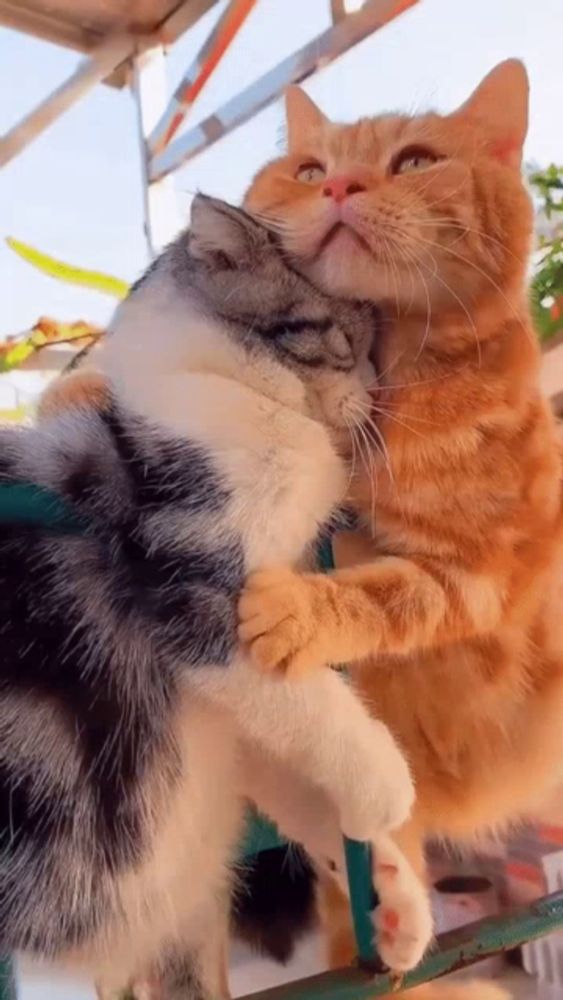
(124, 694)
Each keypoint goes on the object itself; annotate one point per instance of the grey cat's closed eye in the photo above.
(242, 274)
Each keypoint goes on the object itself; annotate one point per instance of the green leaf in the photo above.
(96, 280)
(547, 283)
(14, 356)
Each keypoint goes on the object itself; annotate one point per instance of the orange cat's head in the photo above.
(421, 212)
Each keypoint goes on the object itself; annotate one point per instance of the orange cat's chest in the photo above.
(480, 510)
(465, 714)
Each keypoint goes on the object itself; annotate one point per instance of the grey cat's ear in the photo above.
(219, 230)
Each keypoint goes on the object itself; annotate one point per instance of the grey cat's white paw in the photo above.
(380, 793)
(403, 928)
(403, 920)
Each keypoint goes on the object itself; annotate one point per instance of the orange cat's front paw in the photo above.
(280, 615)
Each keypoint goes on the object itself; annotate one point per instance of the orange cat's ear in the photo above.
(500, 106)
(303, 116)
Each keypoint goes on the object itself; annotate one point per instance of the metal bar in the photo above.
(46, 25)
(362, 897)
(358, 856)
(8, 990)
(183, 17)
(260, 835)
(317, 54)
(455, 950)
(337, 10)
(89, 72)
(150, 93)
(201, 69)
(24, 503)
(60, 31)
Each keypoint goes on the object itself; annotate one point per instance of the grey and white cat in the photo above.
(124, 693)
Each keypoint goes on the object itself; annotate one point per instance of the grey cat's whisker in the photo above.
(380, 443)
(371, 469)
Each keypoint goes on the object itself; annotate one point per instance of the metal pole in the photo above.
(317, 54)
(150, 93)
(454, 950)
(202, 67)
(89, 72)
(8, 989)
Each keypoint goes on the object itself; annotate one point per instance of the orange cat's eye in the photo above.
(310, 172)
(413, 158)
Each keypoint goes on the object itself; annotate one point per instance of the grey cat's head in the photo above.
(229, 273)
(239, 272)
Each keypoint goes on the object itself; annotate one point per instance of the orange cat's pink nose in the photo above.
(342, 186)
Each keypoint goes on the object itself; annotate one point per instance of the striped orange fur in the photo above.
(448, 606)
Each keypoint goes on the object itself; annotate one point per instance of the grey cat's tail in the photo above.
(276, 903)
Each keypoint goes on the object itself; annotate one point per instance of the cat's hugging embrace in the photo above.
(446, 611)
(129, 713)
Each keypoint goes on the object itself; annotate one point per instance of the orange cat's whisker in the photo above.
(387, 261)
(389, 368)
(403, 255)
(446, 222)
(410, 417)
(472, 264)
(426, 333)
(352, 433)
(363, 411)
(436, 277)
(393, 418)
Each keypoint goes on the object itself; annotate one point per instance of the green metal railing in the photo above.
(24, 503)
(7, 980)
(454, 951)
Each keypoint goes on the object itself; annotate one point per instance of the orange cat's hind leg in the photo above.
(78, 389)
(336, 921)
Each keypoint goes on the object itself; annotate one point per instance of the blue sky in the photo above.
(76, 191)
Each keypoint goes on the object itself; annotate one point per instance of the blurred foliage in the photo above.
(14, 351)
(547, 282)
(46, 332)
(95, 280)
(16, 415)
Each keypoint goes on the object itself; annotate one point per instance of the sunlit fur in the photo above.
(451, 612)
(418, 241)
(206, 453)
(83, 387)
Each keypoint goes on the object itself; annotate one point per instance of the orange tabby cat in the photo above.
(451, 612)
(451, 615)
